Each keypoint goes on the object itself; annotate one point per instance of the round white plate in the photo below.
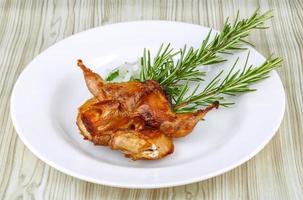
(48, 92)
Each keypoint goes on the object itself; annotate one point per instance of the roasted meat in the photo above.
(107, 123)
(133, 117)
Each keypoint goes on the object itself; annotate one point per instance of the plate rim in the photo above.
(146, 185)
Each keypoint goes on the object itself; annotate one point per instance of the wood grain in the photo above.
(28, 27)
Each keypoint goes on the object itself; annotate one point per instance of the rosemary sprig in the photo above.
(162, 64)
(234, 83)
(168, 74)
(171, 68)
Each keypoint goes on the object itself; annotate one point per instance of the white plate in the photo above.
(46, 96)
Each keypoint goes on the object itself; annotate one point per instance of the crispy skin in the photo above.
(107, 124)
(128, 94)
(184, 123)
(133, 117)
(146, 144)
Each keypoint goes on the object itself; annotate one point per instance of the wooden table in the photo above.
(28, 27)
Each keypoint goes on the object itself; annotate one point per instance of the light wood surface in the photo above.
(28, 27)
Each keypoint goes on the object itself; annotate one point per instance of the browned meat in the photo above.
(106, 123)
(133, 117)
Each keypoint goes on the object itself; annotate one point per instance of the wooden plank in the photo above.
(28, 27)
